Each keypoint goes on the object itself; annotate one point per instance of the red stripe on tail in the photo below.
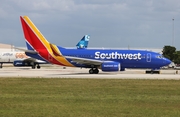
(35, 42)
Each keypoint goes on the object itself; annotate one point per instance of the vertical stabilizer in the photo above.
(37, 42)
(34, 39)
(83, 43)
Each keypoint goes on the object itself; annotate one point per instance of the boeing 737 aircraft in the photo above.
(95, 59)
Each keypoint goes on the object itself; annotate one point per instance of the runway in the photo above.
(59, 72)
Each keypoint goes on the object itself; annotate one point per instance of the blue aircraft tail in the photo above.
(83, 43)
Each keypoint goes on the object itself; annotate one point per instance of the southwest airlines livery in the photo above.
(105, 59)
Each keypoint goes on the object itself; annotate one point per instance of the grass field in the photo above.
(24, 97)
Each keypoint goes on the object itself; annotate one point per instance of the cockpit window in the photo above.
(159, 56)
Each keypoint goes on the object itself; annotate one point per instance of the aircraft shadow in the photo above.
(82, 74)
(24, 68)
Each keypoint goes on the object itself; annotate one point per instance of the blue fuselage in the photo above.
(127, 58)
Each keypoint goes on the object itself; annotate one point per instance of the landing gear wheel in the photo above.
(96, 71)
(91, 71)
(153, 72)
(38, 67)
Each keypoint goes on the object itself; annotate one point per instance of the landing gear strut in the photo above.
(93, 71)
(33, 65)
(1, 65)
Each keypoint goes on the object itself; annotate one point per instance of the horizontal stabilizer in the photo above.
(55, 50)
(28, 51)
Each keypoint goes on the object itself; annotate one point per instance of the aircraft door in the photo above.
(148, 57)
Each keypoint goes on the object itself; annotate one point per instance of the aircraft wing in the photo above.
(85, 61)
(34, 61)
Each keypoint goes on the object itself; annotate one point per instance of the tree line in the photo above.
(171, 53)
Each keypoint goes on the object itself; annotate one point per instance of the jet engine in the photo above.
(110, 66)
(18, 63)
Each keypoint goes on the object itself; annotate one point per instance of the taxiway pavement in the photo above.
(59, 72)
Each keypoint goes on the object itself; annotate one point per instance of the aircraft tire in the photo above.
(91, 71)
(152, 72)
(96, 71)
(38, 67)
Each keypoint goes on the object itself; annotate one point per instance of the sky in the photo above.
(110, 23)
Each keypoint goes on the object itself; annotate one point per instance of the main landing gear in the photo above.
(38, 67)
(1, 65)
(34, 66)
(93, 71)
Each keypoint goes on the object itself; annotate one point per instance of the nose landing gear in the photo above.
(152, 72)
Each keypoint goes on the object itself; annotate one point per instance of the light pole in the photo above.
(173, 32)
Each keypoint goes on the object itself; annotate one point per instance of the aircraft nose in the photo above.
(167, 61)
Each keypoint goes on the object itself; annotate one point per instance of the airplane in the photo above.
(108, 60)
(20, 59)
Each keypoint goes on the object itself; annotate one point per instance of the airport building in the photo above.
(6, 47)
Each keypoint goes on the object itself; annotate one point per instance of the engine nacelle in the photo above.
(110, 66)
(19, 63)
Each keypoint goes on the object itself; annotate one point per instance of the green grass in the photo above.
(24, 97)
